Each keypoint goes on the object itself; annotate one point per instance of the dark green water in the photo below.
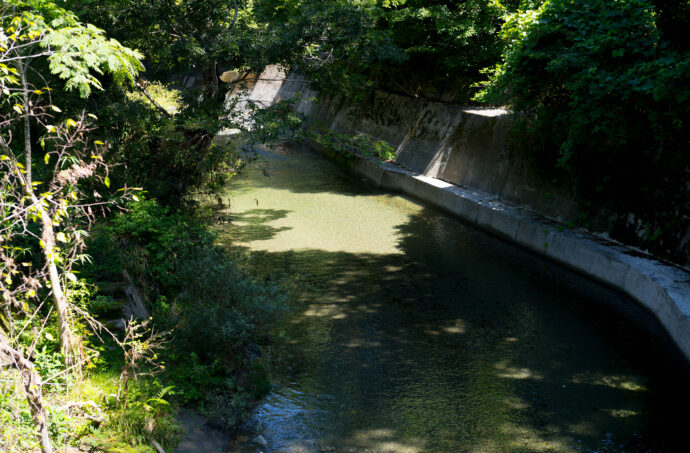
(413, 332)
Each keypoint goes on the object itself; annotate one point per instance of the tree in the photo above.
(72, 51)
(178, 35)
(600, 89)
(46, 218)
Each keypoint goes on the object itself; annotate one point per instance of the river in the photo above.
(412, 331)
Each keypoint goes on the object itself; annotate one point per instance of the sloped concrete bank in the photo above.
(661, 288)
(441, 150)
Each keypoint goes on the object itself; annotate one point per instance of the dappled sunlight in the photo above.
(528, 439)
(325, 311)
(253, 225)
(584, 428)
(385, 441)
(514, 402)
(621, 382)
(313, 212)
(315, 222)
(511, 372)
(457, 326)
(622, 413)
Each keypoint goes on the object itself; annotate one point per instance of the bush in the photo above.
(597, 90)
(220, 316)
(223, 310)
(171, 157)
(223, 317)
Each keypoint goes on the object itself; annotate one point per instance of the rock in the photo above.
(229, 76)
(115, 324)
(135, 307)
(260, 440)
(198, 437)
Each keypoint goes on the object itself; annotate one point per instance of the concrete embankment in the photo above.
(456, 158)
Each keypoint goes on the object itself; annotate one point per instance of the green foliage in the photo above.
(177, 36)
(148, 415)
(15, 418)
(170, 99)
(446, 42)
(360, 144)
(220, 317)
(349, 47)
(149, 241)
(225, 309)
(598, 90)
(171, 157)
(75, 50)
(275, 123)
(82, 50)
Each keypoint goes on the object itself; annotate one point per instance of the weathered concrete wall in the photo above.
(464, 146)
(457, 159)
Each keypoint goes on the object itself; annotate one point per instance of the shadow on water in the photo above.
(460, 342)
(253, 225)
(276, 169)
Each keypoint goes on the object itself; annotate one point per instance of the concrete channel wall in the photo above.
(454, 158)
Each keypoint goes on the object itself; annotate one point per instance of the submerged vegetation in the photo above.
(106, 150)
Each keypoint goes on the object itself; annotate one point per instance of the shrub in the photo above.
(220, 316)
(597, 89)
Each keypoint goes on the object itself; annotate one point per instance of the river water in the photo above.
(414, 332)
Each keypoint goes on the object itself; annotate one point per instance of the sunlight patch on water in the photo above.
(511, 372)
(382, 440)
(619, 382)
(269, 213)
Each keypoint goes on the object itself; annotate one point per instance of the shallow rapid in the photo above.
(414, 332)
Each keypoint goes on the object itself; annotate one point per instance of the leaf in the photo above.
(46, 158)
(98, 142)
(106, 181)
(61, 237)
(55, 109)
(49, 337)
(71, 277)
(71, 123)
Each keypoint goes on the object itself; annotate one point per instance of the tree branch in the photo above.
(153, 101)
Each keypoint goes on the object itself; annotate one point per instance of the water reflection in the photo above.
(416, 333)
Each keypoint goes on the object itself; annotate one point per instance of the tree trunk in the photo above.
(210, 72)
(32, 388)
(67, 340)
(152, 100)
(27, 124)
